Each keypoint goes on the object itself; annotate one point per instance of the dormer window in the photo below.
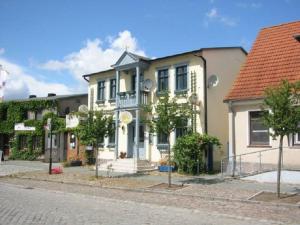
(297, 37)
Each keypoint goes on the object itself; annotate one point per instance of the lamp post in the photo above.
(49, 124)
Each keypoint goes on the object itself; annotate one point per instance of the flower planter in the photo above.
(89, 148)
(166, 168)
(76, 163)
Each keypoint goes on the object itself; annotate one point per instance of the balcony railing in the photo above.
(128, 99)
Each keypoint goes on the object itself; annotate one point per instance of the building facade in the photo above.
(31, 112)
(274, 56)
(206, 74)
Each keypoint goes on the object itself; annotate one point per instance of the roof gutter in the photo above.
(85, 77)
(205, 92)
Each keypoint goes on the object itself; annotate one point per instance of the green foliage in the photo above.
(13, 112)
(94, 128)
(284, 113)
(189, 149)
(169, 115)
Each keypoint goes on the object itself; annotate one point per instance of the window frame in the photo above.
(184, 75)
(101, 89)
(112, 95)
(112, 143)
(183, 130)
(164, 77)
(250, 142)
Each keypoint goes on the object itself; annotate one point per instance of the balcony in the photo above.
(128, 99)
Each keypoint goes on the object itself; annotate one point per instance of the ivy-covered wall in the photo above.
(13, 112)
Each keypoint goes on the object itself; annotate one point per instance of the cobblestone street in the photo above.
(37, 202)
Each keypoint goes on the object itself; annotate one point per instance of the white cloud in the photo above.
(247, 5)
(214, 16)
(20, 84)
(93, 57)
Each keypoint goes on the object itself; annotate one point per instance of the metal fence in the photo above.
(257, 162)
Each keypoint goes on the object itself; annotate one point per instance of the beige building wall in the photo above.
(226, 65)
(291, 154)
(223, 62)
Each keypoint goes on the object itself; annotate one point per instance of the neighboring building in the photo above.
(206, 73)
(274, 56)
(31, 111)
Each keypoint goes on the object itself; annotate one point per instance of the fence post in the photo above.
(240, 165)
(222, 168)
(259, 161)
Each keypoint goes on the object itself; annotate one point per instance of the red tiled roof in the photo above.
(274, 56)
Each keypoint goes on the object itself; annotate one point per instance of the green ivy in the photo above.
(13, 112)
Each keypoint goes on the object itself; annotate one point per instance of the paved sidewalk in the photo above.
(205, 185)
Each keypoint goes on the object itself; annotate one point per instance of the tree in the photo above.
(189, 150)
(284, 115)
(169, 115)
(93, 128)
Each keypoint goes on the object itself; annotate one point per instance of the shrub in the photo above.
(189, 149)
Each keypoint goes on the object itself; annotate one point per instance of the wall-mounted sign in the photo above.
(22, 127)
(72, 121)
(126, 117)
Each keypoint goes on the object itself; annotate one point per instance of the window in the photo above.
(101, 90)
(162, 80)
(133, 81)
(141, 133)
(39, 115)
(182, 130)
(181, 78)
(259, 133)
(23, 142)
(296, 138)
(36, 142)
(54, 141)
(162, 138)
(112, 94)
(112, 137)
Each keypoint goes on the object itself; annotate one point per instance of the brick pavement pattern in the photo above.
(53, 203)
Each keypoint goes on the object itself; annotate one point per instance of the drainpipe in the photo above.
(209, 152)
(232, 152)
(85, 78)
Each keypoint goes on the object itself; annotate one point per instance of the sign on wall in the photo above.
(22, 127)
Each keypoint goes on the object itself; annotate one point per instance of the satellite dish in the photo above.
(194, 100)
(83, 109)
(148, 84)
(126, 117)
(213, 81)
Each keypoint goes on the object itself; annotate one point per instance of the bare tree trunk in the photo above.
(169, 162)
(279, 166)
(96, 161)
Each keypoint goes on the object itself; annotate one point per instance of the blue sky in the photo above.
(47, 45)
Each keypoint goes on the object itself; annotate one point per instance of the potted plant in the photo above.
(164, 167)
(76, 162)
(122, 155)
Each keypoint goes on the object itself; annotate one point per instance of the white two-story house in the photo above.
(134, 81)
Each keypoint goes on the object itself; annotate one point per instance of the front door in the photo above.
(131, 141)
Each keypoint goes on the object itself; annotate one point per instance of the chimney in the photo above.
(32, 96)
(51, 94)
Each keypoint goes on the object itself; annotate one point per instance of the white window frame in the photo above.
(248, 129)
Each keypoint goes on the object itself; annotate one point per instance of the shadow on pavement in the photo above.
(202, 181)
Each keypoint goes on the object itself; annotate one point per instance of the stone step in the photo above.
(127, 166)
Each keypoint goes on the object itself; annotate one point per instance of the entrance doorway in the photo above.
(131, 141)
